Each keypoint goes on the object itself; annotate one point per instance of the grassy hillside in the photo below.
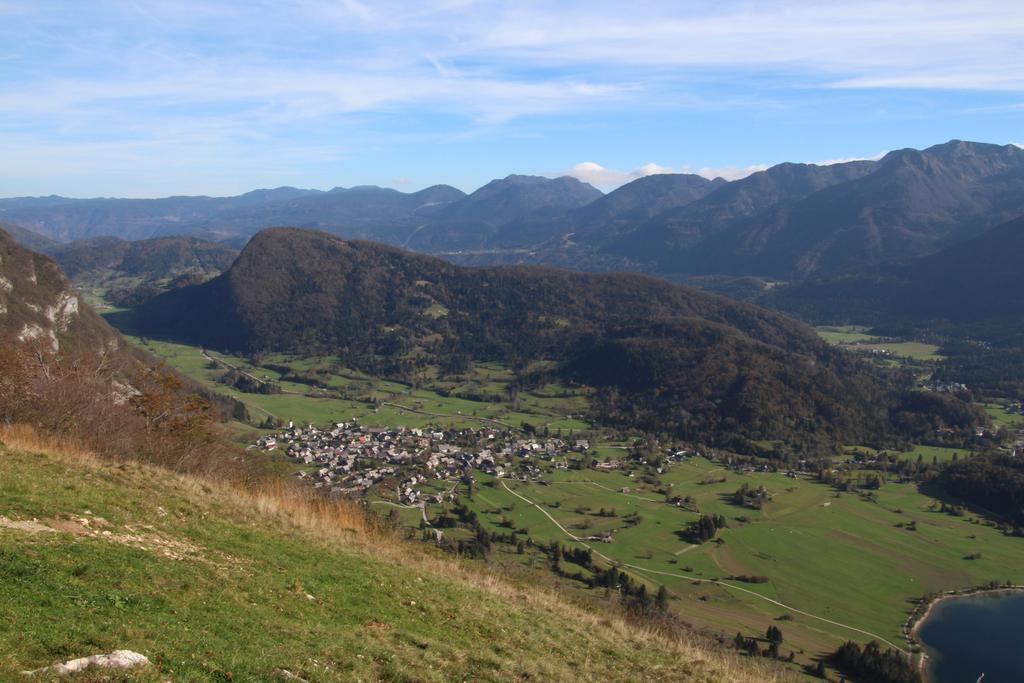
(214, 583)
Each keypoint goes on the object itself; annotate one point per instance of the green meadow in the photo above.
(857, 338)
(351, 394)
(1003, 417)
(845, 334)
(906, 349)
(927, 454)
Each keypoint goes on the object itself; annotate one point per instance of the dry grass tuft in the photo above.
(24, 437)
(307, 510)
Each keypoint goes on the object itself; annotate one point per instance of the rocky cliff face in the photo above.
(39, 305)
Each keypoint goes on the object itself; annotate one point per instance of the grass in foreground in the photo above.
(212, 582)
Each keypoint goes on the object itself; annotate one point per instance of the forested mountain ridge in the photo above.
(740, 200)
(359, 212)
(968, 298)
(631, 204)
(666, 357)
(512, 211)
(972, 289)
(28, 238)
(908, 204)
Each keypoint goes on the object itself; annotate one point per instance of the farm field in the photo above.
(832, 555)
(856, 337)
(844, 334)
(929, 454)
(906, 349)
(1001, 417)
(377, 402)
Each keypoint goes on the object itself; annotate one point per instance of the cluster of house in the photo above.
(945, 387)
(347, 457)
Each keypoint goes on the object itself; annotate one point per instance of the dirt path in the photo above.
(684, 550)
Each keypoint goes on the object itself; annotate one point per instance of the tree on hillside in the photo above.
(661, 599)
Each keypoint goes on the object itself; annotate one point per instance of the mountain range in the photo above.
(791, 221)
(160, 257)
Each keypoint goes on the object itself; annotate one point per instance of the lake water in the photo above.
(974, 635)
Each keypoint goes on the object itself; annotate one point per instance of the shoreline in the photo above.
(924, 609)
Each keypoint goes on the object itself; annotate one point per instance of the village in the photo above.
(347, 458)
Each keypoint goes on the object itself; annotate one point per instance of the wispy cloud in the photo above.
(162, 74)
(493, 59)
(846, 160)
(610, 178)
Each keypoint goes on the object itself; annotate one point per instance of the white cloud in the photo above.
(610, 178)
(606, 178)
(730, 172)
(846, 160)
(1018, 144)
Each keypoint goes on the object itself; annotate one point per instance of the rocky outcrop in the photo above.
(39, 305)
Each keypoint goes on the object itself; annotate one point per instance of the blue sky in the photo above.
(158, 97)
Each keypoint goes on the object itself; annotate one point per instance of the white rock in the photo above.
(118, 659)
(63, 311)
(32, 331)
